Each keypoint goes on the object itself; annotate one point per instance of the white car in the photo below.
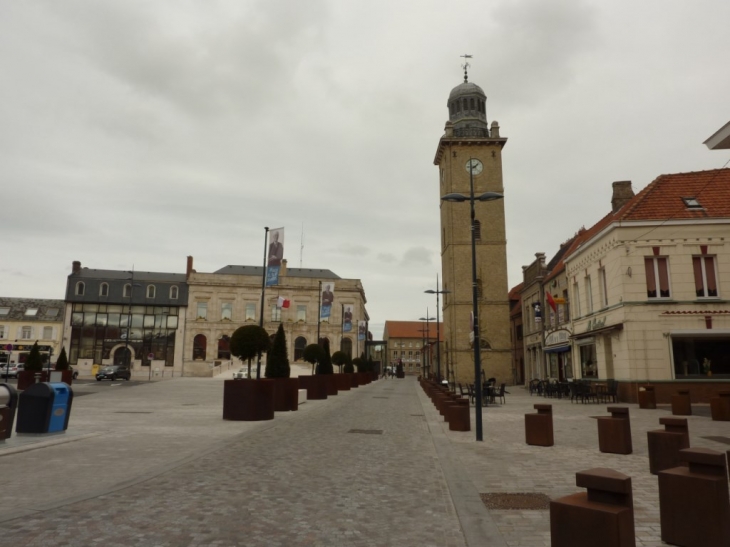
(240, 374)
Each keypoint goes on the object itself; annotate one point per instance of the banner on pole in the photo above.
(347, 318)
(328, 297)
(274, 256)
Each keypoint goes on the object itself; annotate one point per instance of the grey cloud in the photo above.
(388, 258)
(417, 256)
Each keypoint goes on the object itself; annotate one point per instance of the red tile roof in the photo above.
(662, 199)
(412, 329)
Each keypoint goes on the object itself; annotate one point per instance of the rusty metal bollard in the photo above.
(614, 432)
(539, 427)
(694, 502)
(601, 517)
(720, 407)
(459, 415)
(681, 404)
(665, 444)
(647, 397)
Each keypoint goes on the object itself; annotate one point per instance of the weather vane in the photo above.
(466, 65)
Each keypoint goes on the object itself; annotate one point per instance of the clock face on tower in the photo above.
(474, 166)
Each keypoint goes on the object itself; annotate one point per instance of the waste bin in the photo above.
(44, 408)
(8, 404)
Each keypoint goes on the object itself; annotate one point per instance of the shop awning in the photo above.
(602, 330)
(557, 349)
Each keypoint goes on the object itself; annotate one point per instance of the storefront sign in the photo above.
(26, 347)
(594, 324)
(557, 337)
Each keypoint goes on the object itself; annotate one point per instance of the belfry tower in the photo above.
(468, 141)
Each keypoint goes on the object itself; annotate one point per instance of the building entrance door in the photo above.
(122, 357)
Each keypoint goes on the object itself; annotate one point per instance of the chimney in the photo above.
(189, 268)
(282, 268)
(622, 193)
(75, 267)
(494, 131)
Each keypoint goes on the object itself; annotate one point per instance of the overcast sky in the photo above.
(140, 132)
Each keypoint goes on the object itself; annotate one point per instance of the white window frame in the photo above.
(302, 312)
(102, 291)
(174, 292)
(589, 294)
(225, 306)
(249, 306)
(127, 291)
(657, 284)
(704, 275)
(80, 288)
(275, 313)
(151, 291)
(576, 297)
(201, 307)
(2, 331)
(45, 330)
(26, 330)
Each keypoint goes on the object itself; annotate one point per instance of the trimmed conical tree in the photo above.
(247, 342)
(277, 363)
(62, 361)
(312, 354)
(34, 360)
(325, 365)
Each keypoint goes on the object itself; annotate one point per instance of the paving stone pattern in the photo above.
(319, 477)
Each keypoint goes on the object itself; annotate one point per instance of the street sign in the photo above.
(9, 347)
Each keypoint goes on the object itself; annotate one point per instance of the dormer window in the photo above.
(80, 287)
(127, 292)
(150, 291)
(173, 292)
(104, 289)
(31, 311)
(692, 203)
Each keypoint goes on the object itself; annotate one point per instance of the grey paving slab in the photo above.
(156, 465)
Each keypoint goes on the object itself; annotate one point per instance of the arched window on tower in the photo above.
(466, 104)
(458, 105)
(477, 230)
(471, 103)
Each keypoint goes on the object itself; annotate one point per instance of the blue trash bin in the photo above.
(44, 408)
(61, 407)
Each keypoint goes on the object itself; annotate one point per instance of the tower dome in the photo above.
(468, 110)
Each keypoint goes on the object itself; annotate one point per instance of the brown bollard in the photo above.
(459, 415)
(694, 502)
(539, 427)
(665, 444)
(601, 517)
(720, 407)
(647, 397)
(681, 404)
(614, 432)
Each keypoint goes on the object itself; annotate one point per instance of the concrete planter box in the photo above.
(248, 400)
(286, 394)
(354, 379)
(315, 385)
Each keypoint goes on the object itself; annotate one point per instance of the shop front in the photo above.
(558, 355)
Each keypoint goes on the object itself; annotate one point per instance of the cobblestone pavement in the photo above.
(504, 463)
(157, 466)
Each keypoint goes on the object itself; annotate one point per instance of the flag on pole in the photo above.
(551, 301)
(282, 302)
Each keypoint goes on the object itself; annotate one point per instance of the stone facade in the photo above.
(222, 301)
(24, 321)
(468, 137)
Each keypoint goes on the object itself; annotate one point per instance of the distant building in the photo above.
(413, 344)
(517, 335)
(230, 297)
(25, 321)
(125, 318)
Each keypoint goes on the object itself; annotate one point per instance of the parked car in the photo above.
(12, 372)
(240, 374)
(74, 373)
(113, 372)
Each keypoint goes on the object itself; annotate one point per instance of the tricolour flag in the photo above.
(282, 302)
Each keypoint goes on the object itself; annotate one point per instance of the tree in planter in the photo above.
(34, 361)
(312, 354)
(62, 361)
(359, 363)
(340, 358)
(277, 362)
(325, 365)
(247, 342)
(349, 368)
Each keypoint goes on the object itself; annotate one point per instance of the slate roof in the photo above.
(411, 329)
(19, 305)
(290, 272)
(106, 275)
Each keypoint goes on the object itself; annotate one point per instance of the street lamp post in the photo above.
(437, 292)
(457, 198)
(127, 356)
(428, 337)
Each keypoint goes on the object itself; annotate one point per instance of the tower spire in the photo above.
(465, 66)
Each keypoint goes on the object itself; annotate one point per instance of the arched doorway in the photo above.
(299, 344)
(123, 357)
(200, 343)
